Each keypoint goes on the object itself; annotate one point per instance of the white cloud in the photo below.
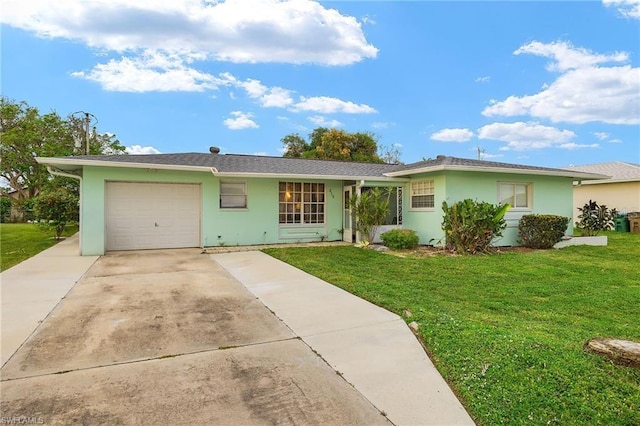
(525, 136)
(329, 105)
(141, 150)
(152, 71)
(485, 79)
(321, 121)
(566, 56)
(382, 125)
(368, 20)
(573, 145)
(452, 135)
(267, 96)
(486, 156)
(583, 93)
(241, 120)
(614, 141)
(601, 135)
(290, 31)
(276, 97)
(627, 8)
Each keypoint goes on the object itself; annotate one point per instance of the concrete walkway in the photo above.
(373, 349)
(30, 290)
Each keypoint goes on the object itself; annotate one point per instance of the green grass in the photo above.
(506, 330)
(20, 241)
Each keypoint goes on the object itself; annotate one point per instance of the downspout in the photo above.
(72, 176)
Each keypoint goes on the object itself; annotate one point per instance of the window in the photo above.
(422, 195)
(233, 195)
(301, 203)
(516, 194)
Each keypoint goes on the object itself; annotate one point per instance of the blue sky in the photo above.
(539, 83)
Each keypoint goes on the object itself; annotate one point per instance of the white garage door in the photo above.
(152, 215)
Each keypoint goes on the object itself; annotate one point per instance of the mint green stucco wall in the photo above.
(550, 195)
(257, 224)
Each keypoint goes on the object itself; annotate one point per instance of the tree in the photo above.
(26, 134)
(390, 154)
(55, 209)
(371, 208)
(333, 144)
(295, 145)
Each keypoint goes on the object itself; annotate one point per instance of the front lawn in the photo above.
(20, 241)
(506, 330)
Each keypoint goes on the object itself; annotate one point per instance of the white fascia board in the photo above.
(304, 176)
(66, 162)
(559, 173)
(607, 181)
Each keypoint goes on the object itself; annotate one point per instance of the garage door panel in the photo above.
(152, 215)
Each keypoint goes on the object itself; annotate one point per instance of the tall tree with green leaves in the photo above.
(333, 144)
(25, 134)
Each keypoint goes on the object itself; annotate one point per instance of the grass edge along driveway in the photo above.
(20, 241)
(506, 330)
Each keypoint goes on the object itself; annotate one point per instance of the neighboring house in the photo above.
(620, 190)
(202, 200)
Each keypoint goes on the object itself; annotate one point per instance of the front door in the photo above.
(348, 232)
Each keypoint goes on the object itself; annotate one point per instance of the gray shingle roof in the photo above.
(254, 164)
(618, 170)
(234, 163)
(442, 160)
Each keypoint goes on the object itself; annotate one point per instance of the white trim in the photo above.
(433, 193)
(442, 167)
(307, 177)
(608, 181)
(245, 194)
(529, 188)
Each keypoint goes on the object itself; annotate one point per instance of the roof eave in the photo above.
(309, 176)
(610, 181)
(65, 163)
(441, 167)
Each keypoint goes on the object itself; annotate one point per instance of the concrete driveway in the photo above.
(153, 337)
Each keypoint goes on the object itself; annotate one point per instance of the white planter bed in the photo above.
(600, 240)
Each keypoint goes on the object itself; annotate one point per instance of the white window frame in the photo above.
(529, 191)
(238, 195)
(302, 208)
(422, 188)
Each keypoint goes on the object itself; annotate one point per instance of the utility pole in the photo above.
(480, 152)
(86, 134)
(86, 124)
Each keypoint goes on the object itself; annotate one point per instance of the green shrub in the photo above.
(594, 218)
(470, 226)
(542, 231)
(370, 208)
(398, 239)
(5, 209)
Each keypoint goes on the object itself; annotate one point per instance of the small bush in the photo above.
(398, 239)
(595, 218)
(542, 231)
(5, 209)
(470, 226)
